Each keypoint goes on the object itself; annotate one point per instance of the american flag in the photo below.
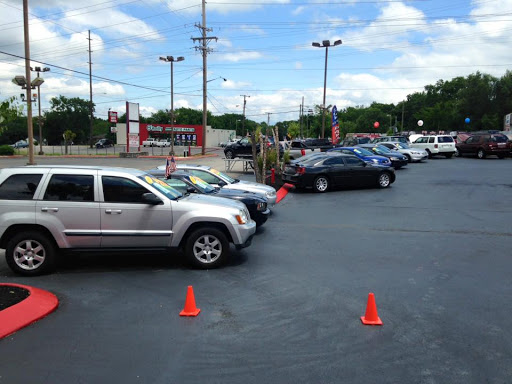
(170, 166)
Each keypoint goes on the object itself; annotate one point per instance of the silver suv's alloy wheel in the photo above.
(29, 254)
(207, 249)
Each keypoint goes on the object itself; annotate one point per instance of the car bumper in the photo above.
(419, 157)
(298, 181)
(244, 233)
(260, 216)
(398, 163)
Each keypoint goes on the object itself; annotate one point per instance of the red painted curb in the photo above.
(36, 306)
(283, 191)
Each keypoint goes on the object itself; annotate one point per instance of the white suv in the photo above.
(443, 145)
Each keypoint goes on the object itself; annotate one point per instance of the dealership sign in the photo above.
(159, 128)
(335, 126)
(112, 117)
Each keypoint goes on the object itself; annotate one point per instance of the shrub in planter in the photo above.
(6, 150)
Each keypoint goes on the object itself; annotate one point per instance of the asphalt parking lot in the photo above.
(434, 248)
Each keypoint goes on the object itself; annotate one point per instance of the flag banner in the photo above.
(170, 166)
(335, 126)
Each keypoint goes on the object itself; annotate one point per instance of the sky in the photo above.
(263, 49)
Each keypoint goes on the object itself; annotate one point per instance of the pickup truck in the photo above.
(50, 210)
(163, 143)
(298, 149)
(150, 142)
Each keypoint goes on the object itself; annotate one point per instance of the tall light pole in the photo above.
(326, 44)
(171, 59)
(38, 70)
(30, 128)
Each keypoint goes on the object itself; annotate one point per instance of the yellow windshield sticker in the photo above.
(149, 180)
(193, 179)
(158, 181)
(215, 171)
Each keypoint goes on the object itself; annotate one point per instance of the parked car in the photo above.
(384, 139)
(243, 148)
(412, 154)
(20, 144)
(162, 143)
(297, 148)
(150, 142)
(397, 159)
(186, 183)
(323, 144)
(355, 140)
(485, 144)
(365, 155)
(46, 210)
(220, 179)
(104, 143)
(334, 169)
(443, 145)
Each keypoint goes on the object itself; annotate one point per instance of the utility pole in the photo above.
(301, 116)
(30, 127)
(90, 92)
(243, 118)
(204, 50)
(402, 125)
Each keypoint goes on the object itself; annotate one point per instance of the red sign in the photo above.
(112, 117)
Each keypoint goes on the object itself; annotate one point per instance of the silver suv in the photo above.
(47, 209)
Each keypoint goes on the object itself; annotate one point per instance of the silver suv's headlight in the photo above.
(241, 217)
(270, 193)
(261, 206)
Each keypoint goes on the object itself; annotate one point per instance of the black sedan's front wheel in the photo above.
(384, 180)
(321, 184)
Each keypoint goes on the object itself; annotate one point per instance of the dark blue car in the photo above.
(365, 155)
(397, 159)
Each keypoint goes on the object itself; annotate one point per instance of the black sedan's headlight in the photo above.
(261, 206)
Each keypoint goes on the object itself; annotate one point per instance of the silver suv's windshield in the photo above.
(162, 187)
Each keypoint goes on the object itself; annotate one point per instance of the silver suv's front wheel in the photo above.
(30, 253)
(207, 248)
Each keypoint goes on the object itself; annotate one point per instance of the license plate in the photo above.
(501, 144)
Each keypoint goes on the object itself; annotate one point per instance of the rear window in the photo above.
(499, 139)
(445, 139)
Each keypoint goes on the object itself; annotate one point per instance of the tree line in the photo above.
(445, 105)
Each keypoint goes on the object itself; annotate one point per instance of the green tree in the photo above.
(13, 126)
(67, 114)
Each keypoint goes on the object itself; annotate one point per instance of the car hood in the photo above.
(252, 187)
(212, 202)
(236, 193)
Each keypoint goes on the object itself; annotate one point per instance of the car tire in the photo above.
(30, 253)
(457, 153)
(321, 184)
(481, 154)
(384, 180)
(229, 154)
(429, 153)
(409, 159)
(501, 156)
(207, 248)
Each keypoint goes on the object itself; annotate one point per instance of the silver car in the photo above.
(46, 210)
(220, 179)
(412, 154)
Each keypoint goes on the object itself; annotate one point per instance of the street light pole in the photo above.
(171, 59)
(30, 127)
(38, 70)
(326, 44)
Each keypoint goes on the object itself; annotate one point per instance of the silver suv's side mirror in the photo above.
(151, 198)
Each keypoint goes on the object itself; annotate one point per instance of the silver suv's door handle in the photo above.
(113, 211)
(46, 209)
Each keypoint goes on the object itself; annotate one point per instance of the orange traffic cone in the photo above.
(371, 317)
(190, 304)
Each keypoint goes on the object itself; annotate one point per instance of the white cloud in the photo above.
(237, 57)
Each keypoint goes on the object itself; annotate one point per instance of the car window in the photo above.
(431, 139)
(499, 139)
(244, 141)
(445, 139)
(472, 139)
(353, 161)
(177, 184)
(421, 140)
(122, 190)
(20, 187)
(70, 188)
(337, 160)
(206, 176)
(363, 152)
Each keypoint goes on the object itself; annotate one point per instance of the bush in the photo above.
(271, 160)
(6, 150)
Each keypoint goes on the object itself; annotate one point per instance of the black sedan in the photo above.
(331, 169)
(397, 159)
(186, 183)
